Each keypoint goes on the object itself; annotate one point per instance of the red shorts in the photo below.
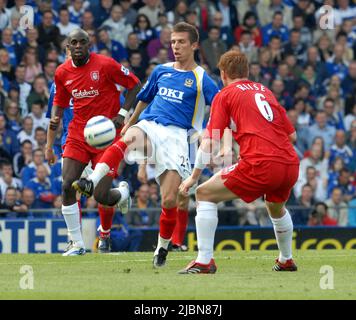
(250, 180)
(79, 150)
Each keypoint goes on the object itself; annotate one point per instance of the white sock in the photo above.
(100, 171)
(162, 243)
(283, 230)
(206, 222)
(71, 217)
(125, 193)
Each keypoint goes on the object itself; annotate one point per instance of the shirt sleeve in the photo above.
(50, 101)
(121, 75)
(62, 96)
(150, 88)
(219, 118)
(210, 89)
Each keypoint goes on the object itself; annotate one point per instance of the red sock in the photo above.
(167, 222)
(181, 227)
(106, 216)
(114, 155)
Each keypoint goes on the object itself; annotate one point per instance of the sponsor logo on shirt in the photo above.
(171, 94)
(84, 93)
(68, 82)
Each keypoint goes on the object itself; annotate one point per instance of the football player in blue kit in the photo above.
(171, 105)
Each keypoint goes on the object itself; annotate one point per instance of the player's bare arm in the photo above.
(129, 101)
(133, 119)
(293, 137)
(57, 114)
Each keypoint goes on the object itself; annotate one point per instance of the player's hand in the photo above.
(118, 121)
(186, 185)
(142, 173)
(50, 156)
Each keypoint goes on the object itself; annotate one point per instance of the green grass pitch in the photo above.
(241, 275)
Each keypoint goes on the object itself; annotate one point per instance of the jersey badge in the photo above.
(188, 83)
(94, 75)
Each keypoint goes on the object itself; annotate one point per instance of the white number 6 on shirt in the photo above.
(264, 107)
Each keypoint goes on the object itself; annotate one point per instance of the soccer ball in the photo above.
(99, 132)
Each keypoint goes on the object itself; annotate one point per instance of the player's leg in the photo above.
(280, 217)
(134, 139)
(169, 182)
(208, 195)
(72, 170)
(181, 224)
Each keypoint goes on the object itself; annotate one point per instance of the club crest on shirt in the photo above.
(188, 83)
(94, 75)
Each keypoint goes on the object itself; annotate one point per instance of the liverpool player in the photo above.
(268, 164)
(92, 81)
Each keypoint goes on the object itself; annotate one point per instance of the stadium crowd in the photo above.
(308, 62)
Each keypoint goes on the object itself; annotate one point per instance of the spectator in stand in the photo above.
(102, 11)
(117, 25)
(265, 62)
(306, 37)
(24, 88)
(118, 52)
(320, 216)
(322, 129)
(256, 74)
(229, 13)
(29, 171)
(40, 138)
(162, 23)
(6, 69)
(32, 66)
(336, 64)
(212, 49)
(164, 41)
(316, 160)
(161, 58)
(39, 91)
(349, 82)
(7, 179)
(179, 13)
(295, 47)
(283, 74)
(307, 9)
(275, 28)
(300, 145)
(22, 158)
(87, 22)
(325, 48)
(249, 24)
(306, 202)
(133, 46)
(41, 186)
(49, 71)
(11, 203)
(136, 62)
(141, 217)
(13, 118)
(226, 33)
(350, 118)
(344, 183)
(38, 115)
(27, 133)
(151, 9)
(64, 25)
(14, 50)
(32, 42)
(28, 199)
(341, 150)
(313, 59)
(247, 46)
(337, 207)
(281, 94)
(304, 114)
(334, 118)
(76, 10)
(5, 15)
(144, 30)
(129, 13)
(9, 140)
(48, 33)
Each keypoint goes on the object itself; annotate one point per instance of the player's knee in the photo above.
(169, 201)
(67, 187)
(203, 194)
(183, 203)
(101, 198)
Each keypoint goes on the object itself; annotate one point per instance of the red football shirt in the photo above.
(93, 87)
(258, 123)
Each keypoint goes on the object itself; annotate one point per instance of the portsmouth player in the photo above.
(171, 103)
(92, 81)
(105, 213)
(268, 164)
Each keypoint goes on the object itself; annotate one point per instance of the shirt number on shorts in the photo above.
(264, 107)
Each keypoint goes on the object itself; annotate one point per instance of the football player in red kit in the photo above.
(92, 81)
(268, 165)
